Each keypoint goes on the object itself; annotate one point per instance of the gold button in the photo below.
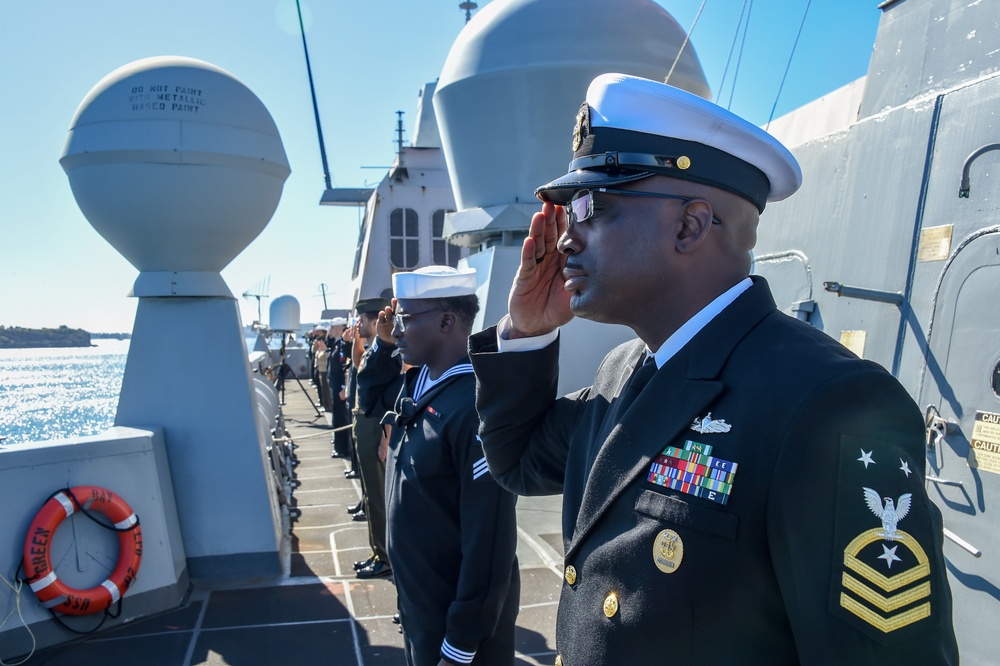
(571, 574)
(611, 604)
(558, 660)
(683, 162)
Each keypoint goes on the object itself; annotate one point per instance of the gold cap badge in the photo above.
(582, 127)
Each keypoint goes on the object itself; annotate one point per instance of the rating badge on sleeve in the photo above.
(882, 584)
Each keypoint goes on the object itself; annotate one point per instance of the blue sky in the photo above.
(369, 60)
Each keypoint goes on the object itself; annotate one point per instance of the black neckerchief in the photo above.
(408, 410)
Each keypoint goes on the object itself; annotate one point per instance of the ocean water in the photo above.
(60, 393)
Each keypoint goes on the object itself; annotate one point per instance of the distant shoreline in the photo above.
(16, 337)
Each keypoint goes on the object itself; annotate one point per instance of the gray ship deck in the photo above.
(318, 613)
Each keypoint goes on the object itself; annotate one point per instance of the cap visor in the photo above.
(561, 190)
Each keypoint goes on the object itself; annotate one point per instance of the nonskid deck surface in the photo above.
(318, 613)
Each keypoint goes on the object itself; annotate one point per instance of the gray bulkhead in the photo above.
(880, 211)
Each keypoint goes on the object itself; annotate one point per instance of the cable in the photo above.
(788, 65)
(736, 74)
(16, 587)
(729, 58)
(686, 38)
(84, 511)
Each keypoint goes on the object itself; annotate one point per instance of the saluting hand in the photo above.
(538, 304)
(384, 326)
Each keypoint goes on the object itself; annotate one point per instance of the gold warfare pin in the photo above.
(668, 551)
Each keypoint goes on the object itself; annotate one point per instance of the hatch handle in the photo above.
(893, 297)
(966, 187)
(943, 482)
(963, 543)
(937, 427)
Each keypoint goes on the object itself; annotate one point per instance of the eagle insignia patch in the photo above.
(889, 514)
(881, 583)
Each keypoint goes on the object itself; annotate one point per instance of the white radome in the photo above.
(284, 314)
(176, 163)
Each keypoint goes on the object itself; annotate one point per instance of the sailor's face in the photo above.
(366, 324)
(617, 259)
(416, 324)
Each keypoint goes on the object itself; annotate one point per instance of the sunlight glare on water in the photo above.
(60, 393)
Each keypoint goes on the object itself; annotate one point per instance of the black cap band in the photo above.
(618, 152)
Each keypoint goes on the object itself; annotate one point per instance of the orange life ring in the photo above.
(51, 591)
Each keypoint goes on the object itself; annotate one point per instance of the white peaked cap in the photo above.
(631, 128)
(434, 282)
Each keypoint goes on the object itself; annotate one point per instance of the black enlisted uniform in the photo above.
(759, 501)
(338, 362)
(451, 529)
(368, 433)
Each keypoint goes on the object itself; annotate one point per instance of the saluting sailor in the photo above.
(451, 527)
(738, 487)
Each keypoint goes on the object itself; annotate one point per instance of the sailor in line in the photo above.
(369, 435)
(451, 528)
(718, 499)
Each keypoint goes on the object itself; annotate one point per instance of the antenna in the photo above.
(468, 7)
(399, 172)
(399, 136)
(322, 290)
(312, 89)
(258, 291)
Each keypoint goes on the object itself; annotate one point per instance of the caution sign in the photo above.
(985, 451)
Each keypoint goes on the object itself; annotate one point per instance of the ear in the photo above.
(448, 321)
(695, 222)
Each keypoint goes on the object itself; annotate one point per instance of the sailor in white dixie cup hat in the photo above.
(452, 530)
(434, 282)
(715, 475)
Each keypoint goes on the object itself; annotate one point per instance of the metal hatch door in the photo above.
(959, 387)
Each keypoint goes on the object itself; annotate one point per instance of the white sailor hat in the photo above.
(631, 128)
(338, 321)
(434, 282)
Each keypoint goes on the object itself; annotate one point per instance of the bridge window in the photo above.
(404, 238)
(445, 254)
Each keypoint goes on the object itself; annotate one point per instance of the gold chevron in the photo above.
(886, 604)
(885, 625)
(887, 583)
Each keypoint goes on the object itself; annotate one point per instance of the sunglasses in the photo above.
(581, 206)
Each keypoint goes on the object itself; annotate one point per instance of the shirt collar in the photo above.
(683, 335)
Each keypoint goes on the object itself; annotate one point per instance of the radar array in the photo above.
(258, 291)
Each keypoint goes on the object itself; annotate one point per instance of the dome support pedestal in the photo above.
(179, 283)
(187, 372)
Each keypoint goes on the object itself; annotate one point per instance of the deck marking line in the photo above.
(354, 622)
(333, 553)
(196, 631)
(534, 544)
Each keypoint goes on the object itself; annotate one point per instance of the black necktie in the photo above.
(642, 374)
(633, 387)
